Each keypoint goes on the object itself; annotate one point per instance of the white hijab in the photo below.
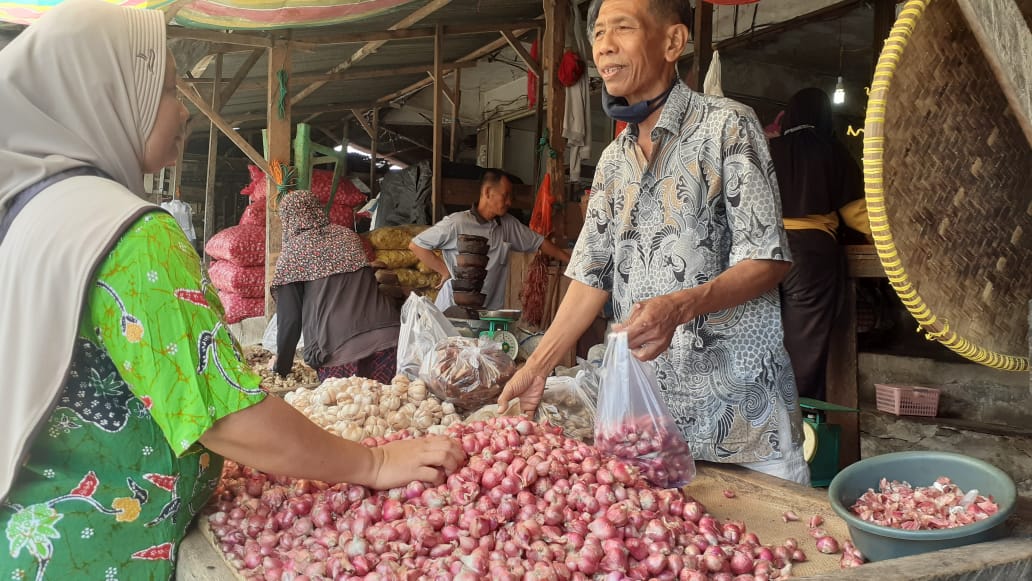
(80, 87)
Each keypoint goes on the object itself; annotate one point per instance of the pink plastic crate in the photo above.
(907, 400)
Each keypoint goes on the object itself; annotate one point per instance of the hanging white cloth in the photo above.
(577, 124)
(183, 213)
(711, 85)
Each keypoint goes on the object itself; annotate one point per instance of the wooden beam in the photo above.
(239, 77)
(702, 44)
(278, 131)
(438, 75)
(820, 14)
(235, 38)
(539, 119)
(522, 52)
(473, 56)
(225, 127)
(300, 111)
(422, 32)
(373, 145)
(213, 150)
(360, 117)
(556, 14)
(379, 72)
(371, 47)
(445, 88)
(453, 151)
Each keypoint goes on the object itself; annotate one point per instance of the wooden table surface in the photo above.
(764, 498)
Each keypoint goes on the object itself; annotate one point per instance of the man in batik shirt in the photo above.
(683, 231)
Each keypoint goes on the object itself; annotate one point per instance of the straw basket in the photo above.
(948, 174)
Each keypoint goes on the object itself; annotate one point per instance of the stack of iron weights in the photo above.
(470, 271)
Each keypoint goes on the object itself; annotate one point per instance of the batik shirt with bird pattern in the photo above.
(116, 473)
(707, 201)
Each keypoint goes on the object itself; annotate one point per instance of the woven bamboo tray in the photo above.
(948, 174)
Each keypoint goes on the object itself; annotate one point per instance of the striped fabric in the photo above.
(234, 14)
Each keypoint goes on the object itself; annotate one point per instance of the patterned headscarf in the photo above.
(312, 247)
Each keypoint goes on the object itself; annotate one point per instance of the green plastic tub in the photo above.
(879, 543)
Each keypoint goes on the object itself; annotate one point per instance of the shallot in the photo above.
(529, 504)
(654, 445)
(827, 545)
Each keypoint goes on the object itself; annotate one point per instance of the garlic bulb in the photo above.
(447, 408)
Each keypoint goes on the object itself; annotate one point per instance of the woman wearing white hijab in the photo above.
(121, 386)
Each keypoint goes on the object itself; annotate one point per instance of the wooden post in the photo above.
(703, 44)
(437, 192)
(278, 151)
(374, 143)
(539, 120)
(453, 152)
(556, 16)
(213, 149)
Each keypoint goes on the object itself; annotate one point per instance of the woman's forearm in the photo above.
(273, 437)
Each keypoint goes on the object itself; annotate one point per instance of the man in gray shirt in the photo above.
(488, 218)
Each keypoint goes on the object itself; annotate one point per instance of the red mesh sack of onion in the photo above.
(634, 424)
(530, 504)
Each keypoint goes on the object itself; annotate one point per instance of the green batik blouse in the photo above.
(116, 473)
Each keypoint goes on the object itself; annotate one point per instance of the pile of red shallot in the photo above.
(530, 504)
(943, 505)
(654, 445)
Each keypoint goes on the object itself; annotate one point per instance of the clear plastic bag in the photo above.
(269, 337)
(634, 423)
(423, 325)
(565, 403)
(468, 373)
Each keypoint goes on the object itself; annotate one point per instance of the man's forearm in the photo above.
(430, 259)
(579, 308)
(550, 249)
(739, 284)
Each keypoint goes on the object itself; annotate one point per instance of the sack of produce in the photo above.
(258, 189)
(246, 281)
(394, 237)
(254, 215)
(239, 308)
(492, 410)
(412, 278)
(633, 422)
(241, 245)
(348, 194)
(397, 258)
(468, 373)
(422, 326)
(566, 403)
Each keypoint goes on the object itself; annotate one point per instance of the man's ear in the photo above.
(677, 39)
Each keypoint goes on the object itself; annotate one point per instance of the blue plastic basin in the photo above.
(878, 543)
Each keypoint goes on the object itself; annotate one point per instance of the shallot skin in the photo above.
(942, 505)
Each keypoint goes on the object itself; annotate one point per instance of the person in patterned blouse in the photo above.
(683, 232)
(123, 388)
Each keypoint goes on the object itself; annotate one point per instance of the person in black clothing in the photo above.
(819, 182)
(325, 288)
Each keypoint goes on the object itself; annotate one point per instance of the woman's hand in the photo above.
(528, 384)
(428, 459)
(444, 278)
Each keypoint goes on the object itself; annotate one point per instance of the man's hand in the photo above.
(428, 459)
(528, 384)
(652, 323)
(444, 278)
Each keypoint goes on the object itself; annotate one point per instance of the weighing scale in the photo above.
(499, 321)
(821, 439)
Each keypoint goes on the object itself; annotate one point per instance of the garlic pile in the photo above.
(355, 408)
(300, 374)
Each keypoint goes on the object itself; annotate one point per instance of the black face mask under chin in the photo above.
(617, 107)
